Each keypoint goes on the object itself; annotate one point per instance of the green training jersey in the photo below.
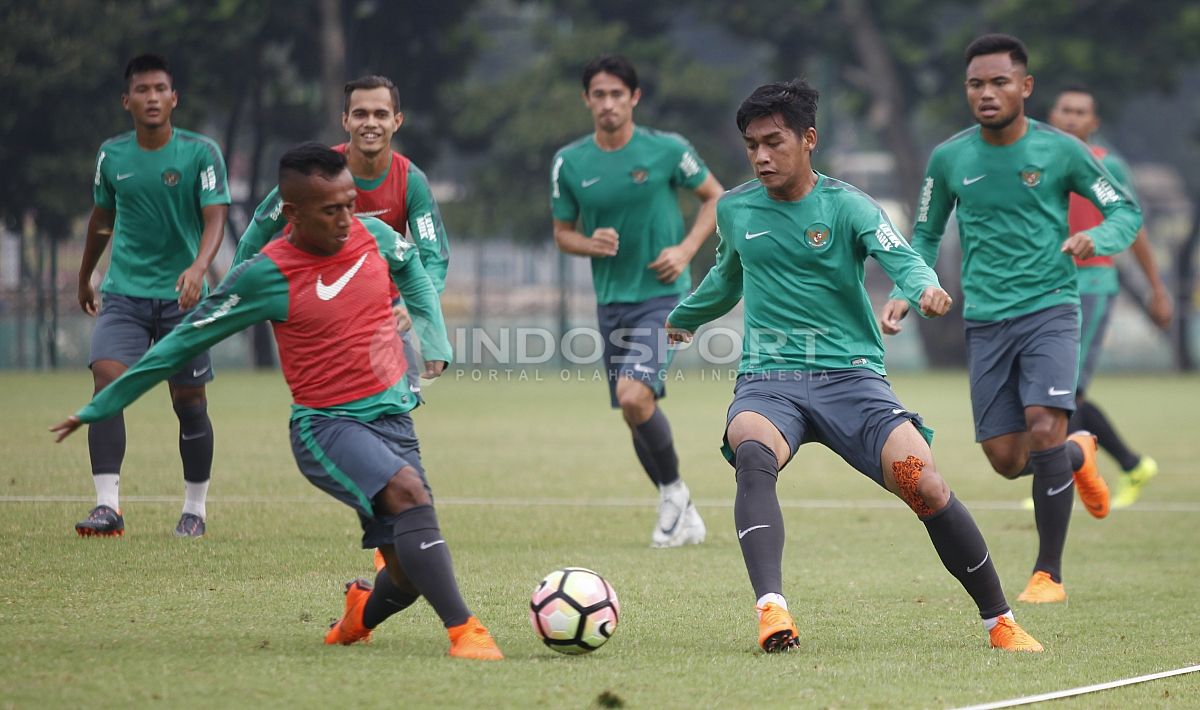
(158, 197)
(404, 202)
(1098, 275)
(631, 190)
(799, 266)
(1011, 204)
(269, 288)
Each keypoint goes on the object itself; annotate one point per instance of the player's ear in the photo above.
(1027, 86)
(635, 97)
(810, 138)
(399, 119)
(290, 213)
(345, 122)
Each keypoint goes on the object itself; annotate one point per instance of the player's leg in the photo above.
(758, 447)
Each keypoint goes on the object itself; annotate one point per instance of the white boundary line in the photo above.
(1031, 699)
(509, 502)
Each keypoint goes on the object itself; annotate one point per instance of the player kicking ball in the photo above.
(326, 289)
(793, 243)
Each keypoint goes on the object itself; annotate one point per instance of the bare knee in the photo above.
(920, 486)
(636, 401)
(404, 490)
(1047, 428)
(104, 372)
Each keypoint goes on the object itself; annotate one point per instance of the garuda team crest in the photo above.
(817, 235)
(639, 175)
(171, 177)
(1031, 175)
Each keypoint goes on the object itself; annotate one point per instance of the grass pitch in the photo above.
(536, 474)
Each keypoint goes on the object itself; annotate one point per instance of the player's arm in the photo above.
(1122, 215)
(564, 209)
(915, 281)
(420, 297)
(99, 234)
(933, 209)
(716, 295)
(1160, 307)
(673, 260)
(190, 284)
(426, 228)
(255, 291)
(268, 220)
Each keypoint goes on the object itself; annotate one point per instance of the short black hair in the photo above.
(795, 102)
(997, 43)
(1079, 88)
(372, 81)
(614, 64)
(148, 62)
(311, 158)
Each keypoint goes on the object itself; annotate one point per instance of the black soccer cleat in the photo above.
(190, 526)
(102, 521)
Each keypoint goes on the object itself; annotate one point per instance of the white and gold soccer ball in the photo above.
(574, 610)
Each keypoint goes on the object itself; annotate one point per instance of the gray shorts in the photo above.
(353, 460)
(127, 326)
(850, 411)
(635, 343)
(1030, 360)
(1094, 312)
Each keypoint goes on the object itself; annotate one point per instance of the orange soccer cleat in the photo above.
(1042, 589)
(776, 630)
(1093, 491)
(380, 563)
(1006, 635)
(349, 629)
(471, 640)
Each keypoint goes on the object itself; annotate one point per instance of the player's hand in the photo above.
(605, 242)
(1080, 246)
(188, 286)
(403, 319)
(65, 428)
(893, 312)
(433, 369)
(677, 335)
(935, 302)
(670, 263)
(87, 297)
(1160, 308)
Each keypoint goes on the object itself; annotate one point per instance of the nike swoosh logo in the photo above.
(325, 293)
(588, 183)
(427, 545)
(1056, 491)
(1058, 393)
(124, 177)
(201, 371)
(743, 533)
(185, 437)
(972, 181)
(899, 411)
(374, 213)
(756, 234)
(985, 559)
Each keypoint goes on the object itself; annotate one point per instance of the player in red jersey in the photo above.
(326, 289)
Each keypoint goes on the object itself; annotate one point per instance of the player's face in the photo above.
(150, 99)
(371, 120)
(610, 101)
(1075, 113)
(322, 213)
(782, 160)
(997, 89)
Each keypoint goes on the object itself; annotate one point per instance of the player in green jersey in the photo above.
(161, 198)
(1074, 111)
(1009, 179)
(793, 243)
(613, 199)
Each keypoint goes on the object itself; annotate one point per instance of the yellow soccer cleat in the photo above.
(776, 630)
(1042, 589)
(1007, 636)
(1093, 491)
(349, 629)
(471, 640)
(1129, 485)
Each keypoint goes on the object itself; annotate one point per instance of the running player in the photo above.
(1074, 111)
(794, 242)
(613, 199)
(325, 289)
(1009, 178)
(161, 197)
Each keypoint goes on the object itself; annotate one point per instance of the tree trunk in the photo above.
(333, 66)
(1185, 264)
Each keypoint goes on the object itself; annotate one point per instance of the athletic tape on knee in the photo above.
(908, 478)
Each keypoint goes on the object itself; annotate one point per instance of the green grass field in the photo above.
(531, 476)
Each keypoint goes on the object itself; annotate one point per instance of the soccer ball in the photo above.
(574, 610)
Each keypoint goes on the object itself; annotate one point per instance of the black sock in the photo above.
(965, 554)
(1053, 498)
(195, 442)
(385, 600)
(655, 433)
(1095, 421)
(106, 444)
(645, 458)
(758, 518)
(425, 558)
(1027, 471)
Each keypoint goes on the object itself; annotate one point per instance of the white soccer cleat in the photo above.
(678, 521)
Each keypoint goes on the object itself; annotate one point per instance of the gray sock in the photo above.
(655, 433)
(1053, 498)
(965, 554)
(195, 442)
(425, 559)
(106, 444)
(758, 518)
(386, 599)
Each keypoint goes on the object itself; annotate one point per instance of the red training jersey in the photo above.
(1082, 215)
(388, 202)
